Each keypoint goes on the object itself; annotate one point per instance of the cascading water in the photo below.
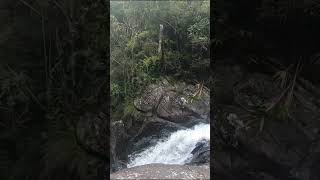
(176, 149)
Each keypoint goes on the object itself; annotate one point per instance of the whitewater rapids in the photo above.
(176, 149)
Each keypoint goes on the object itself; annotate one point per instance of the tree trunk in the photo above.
(160, 48)
(160, 39)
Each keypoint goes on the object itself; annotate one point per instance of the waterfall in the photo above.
(176, 149)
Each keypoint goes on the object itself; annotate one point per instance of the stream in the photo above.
(176, 149)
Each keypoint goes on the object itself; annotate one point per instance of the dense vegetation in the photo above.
(134, 39)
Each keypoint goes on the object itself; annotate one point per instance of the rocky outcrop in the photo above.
(161, 109)
(201, 153)
(175, 103)
(163, 171)
(166, 108)
(261, 132)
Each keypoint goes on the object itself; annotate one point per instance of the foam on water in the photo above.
(176, 149)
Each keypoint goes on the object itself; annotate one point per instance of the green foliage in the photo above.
(135, 61)
(150, 63)
(115, 89)
(198, 32)
(129, 107)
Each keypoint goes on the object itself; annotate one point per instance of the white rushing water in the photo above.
(176, 149)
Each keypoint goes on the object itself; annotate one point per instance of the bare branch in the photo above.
(32, 8)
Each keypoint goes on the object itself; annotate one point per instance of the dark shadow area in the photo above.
(54, 89)
(265, 90)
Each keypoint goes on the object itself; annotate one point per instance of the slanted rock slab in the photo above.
(163, 171)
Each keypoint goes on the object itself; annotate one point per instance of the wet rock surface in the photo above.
(169, 108)
(201, 153)
(163, 171)
(152, 131)
(162, 108)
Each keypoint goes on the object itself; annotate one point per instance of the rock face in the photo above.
(175, 103)
(168, 108)
(255, 136)
(162, 108)
(163, 171)
(201, 153)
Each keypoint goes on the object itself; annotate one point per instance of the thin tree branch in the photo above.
(32, 8)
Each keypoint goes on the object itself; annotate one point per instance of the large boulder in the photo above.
(151, 96)
(175, 103)
(163, 171)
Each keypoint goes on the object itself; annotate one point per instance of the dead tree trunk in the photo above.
(160, 48)
(160, 39)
